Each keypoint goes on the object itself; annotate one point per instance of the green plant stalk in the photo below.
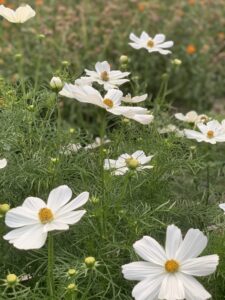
(50, 275)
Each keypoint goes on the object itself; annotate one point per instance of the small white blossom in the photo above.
(156, 44)
(20, 15)
(56, 83)
(104, 76)
(126, 162)
(171, 128)
(192, 117)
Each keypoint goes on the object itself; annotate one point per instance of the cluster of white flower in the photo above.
(165, 273)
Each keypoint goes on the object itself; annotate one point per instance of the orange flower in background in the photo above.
(141, 6)
(2, 1)
(191, 49)
(191, 2)
(39, 2)
(221, 36)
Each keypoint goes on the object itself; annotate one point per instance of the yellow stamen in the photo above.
(108, 102)
(210, 134)
(150, 44)
(105, 76)
(172, 266)
(45, 215)
(132, 163)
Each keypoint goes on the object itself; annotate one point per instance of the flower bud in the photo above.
(54, 160)
(65, 63)
(12, 279)
(72, 287)
(18, 56)
(94, 200)
(90, 262)
(41, 36)
(176, 62)
(71, 130)
(56, 83)
(124, 59)
(4, 208)
(72, 272)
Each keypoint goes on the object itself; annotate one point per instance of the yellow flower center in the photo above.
(150, 44)
(132, 163)
(45, 215)
(108, 102)
(210, 134)
(172, 266)
(105, 76)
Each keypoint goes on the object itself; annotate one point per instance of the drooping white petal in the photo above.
(79, 201)
(21, 216)
(192, 245)
(173, 241)
(140, 270)
(27, 237)
(172, 288)
(59, 197)
(150, 250)
(20, 15)
(34, 203)
(193, 289)
(200, 266)
(148, 288)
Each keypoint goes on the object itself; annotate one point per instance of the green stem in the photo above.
(50, 278)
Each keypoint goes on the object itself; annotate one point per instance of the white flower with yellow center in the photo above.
(34, 218)
(110, 102)
(104, 76)
(125, 162)
(167, 274)
(3, 163)
(156, 44)
(20, 15)
(212, 132)
(192, 117)
(136, 99)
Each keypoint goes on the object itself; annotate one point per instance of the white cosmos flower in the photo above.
(212, 132)
(104, 76)
(110, 102)
(167, 274)
(97, 143)
(136, 99)
(3, 163)
(126, 162)
(70, 148)
(20, 15)
(34, 218)
(156, 44)
(192, 117)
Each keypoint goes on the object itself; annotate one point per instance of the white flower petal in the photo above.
(71, 217)
(21, 216)
(193, 245)
(140, 270)
(148, 288)
(159, 38)
(3, 163)
(59, 197)
(150, 250)
(109, 164)
(200, 266)
(222, 206)
(79, 201)
(55, 225)
(193, 289)
(172, 288)
(173, 241)
(27, 237)
(34, 203)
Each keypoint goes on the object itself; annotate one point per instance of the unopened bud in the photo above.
(56, 83)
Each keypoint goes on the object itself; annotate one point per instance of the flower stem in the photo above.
(50, 278)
